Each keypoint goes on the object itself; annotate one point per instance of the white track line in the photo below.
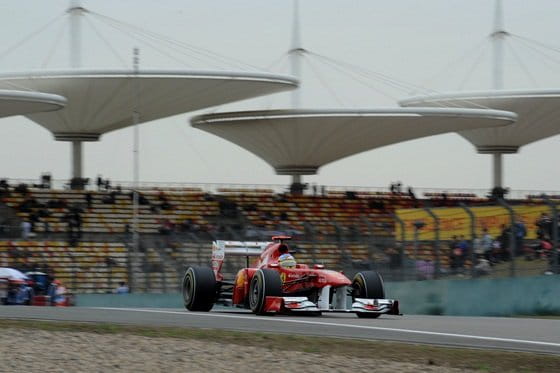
(496, 339)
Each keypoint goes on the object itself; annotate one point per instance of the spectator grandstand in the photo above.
(84, 237)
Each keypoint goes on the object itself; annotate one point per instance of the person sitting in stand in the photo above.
(57, 292)
(122, 289)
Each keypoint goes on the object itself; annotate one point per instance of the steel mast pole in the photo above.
(498, 39)
(76, 11)
(296, 54)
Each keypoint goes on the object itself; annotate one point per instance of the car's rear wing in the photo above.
(236, 248)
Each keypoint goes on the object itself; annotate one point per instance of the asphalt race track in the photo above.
(516, 334)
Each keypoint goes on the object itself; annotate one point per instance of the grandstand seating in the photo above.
(105, 217)
(260, 207)
(89, 267)
(336, 218)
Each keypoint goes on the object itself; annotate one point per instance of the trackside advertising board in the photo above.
(455, 221)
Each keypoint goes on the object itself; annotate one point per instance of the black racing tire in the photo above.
(265, 283)
(368, 284)
(199, 289)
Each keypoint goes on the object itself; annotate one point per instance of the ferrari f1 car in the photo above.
(269, 287)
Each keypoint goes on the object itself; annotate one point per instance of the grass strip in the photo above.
(481, 360)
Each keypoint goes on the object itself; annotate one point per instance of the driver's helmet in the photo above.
(287, 261)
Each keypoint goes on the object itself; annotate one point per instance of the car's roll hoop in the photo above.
(281, 239)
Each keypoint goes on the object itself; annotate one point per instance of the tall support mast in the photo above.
(296, 55)
(76, 11)
(498, 39)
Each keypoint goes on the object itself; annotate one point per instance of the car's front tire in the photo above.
(264, 283)
(368, 284)
(199, 289)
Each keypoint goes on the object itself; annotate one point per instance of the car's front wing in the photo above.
(303, 304)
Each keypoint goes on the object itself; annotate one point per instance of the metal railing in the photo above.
(61, 184)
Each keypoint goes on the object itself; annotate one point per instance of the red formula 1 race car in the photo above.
(275, 285)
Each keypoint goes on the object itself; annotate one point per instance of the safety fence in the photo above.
(482, 240)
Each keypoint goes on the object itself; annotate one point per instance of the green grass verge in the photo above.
(480, 360)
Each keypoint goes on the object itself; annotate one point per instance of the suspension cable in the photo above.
(323, 81)
(522, 64)
(30, 36)
(201, 51)
(53, 46)
(106, 42)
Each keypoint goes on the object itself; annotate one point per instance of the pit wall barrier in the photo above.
(481, 297)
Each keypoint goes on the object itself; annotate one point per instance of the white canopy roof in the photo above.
(103, 101)
(22, 102)
(538, 116)
(301, 141)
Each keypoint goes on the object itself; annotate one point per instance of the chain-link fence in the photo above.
(501, 239)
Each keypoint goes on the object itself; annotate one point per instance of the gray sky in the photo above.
(412, 40)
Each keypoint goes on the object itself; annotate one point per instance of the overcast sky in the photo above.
(419, 42)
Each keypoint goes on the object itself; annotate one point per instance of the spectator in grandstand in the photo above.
(89, 199)
(323, 191)
(542, 249)
(46, 181)
(4, 185)
(25, 229)
(544, 226)
(57, 291)
(502, 245)
(412, 196)
(455, 256)
(376, 204)
(520, 232)
(394, 258)
(46, 229)
(165, 205)
(486, 244)
(43, 213)
(22, 189)
(425, 269)
(166, 227)
(122, 288)
(482, 266)
(99, 182)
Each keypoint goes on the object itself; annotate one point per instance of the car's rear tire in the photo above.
(265, 283)
(368, 284)
(199, 289)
